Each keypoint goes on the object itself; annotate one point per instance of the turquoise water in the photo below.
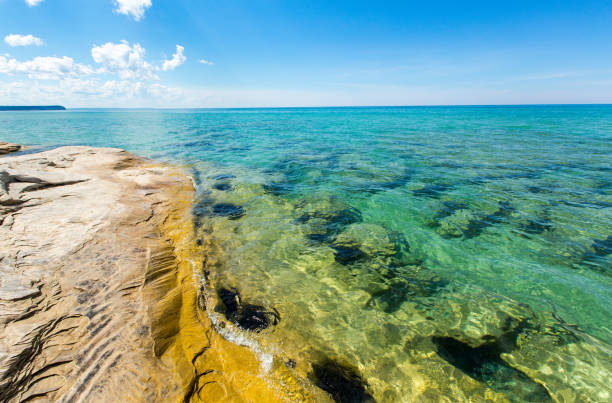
(434, 251)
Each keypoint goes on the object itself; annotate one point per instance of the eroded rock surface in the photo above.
(76, 235)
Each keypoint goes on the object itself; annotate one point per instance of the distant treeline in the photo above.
(33, 108)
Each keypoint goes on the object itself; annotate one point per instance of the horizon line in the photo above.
(307, 107)
(340, 106)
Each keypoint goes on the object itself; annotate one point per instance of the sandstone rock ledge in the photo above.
(6, 148)
(98, 297)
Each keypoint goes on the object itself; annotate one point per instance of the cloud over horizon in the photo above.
(44, 68)
(122, 73)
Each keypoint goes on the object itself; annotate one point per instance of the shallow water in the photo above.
(408, 253)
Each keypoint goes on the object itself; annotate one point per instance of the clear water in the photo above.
(463, 252)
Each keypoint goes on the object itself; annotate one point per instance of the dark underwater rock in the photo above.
(539, 189)
(278, 188)
(325, 225)
(291, 173)
(378, 245)
(202, 207)
(504, 210)
(348, 254)
(376, 186)
(602, 247)
(223, 177)
(433, 190)
(224, 187)
(229, 210)
(537, 226)
(231, 300)
(342, 382)
(475, 227)
(361, 240)
(594, 258)
(462, 222)
(447, 210)
(406, 283)
(484, 363)
(254, 318)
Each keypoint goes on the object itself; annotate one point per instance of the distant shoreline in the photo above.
(33, 108)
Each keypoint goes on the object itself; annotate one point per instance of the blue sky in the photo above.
(123, 53)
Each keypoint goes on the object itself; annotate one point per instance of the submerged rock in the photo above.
(602, 247)
(408, 283)
(433, 190)
(347, 254)
(373, 184)
(448, 209)
(202, 207)
(371, 239)
(342, 382)
(593, 258)
(326, 218)
(456, 220)
(229, 210)
(224, 187)
(459, 223)
(288, 173)
(484, 364)
(223, 177)
(249, 317)
(537, 226)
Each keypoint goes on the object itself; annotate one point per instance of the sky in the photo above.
(266, 53)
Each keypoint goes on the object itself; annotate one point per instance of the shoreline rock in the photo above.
(99, 286)
(7, 148)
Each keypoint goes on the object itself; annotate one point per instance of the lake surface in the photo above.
(401, 253)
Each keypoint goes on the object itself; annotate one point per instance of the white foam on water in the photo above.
(240, 338)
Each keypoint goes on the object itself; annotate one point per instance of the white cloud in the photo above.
(125, 60)
(135, 8)
(177, 59)
(33, 3)
(90, 92)
(22, 40)
(206, 62)
(123, 78)
(44, 68)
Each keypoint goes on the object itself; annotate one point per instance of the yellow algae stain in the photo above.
(207, 366)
